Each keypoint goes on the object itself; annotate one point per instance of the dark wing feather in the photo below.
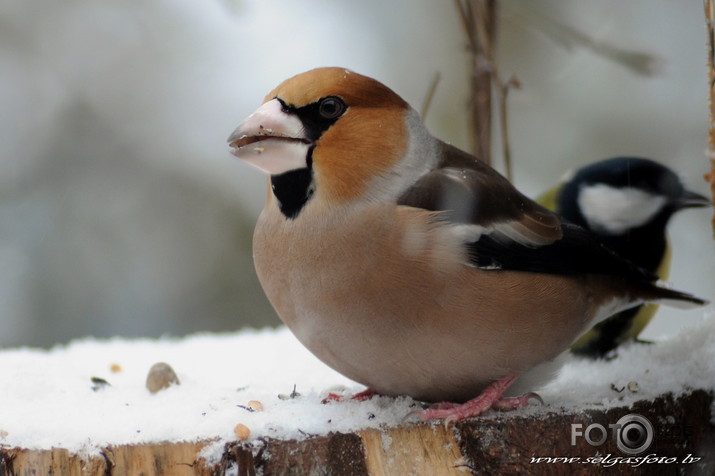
(509, 230)
(578, 252)
(471, 192)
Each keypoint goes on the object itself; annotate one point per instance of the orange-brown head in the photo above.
(333, 133)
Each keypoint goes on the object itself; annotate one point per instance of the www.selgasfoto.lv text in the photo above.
(609, 460)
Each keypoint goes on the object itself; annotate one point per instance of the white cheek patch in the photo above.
(614, 210)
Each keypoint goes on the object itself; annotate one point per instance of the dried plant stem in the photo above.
(427, 102)
(710, 24)
(502, 93)
(479, 20)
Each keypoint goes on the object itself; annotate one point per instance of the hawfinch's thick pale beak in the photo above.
(271, 139)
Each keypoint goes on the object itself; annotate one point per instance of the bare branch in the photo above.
(710, 24)
(512, 83)
(427, 102)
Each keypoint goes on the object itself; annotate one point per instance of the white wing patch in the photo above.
(614, 210)
(468, 233)
(519, 233)
(504, 232)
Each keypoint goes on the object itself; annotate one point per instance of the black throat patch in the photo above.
(293, 189)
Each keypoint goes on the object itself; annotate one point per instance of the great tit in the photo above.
(628, 202)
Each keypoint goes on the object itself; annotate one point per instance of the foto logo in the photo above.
(632, 433)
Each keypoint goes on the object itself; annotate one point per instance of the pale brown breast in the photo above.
(385, 298)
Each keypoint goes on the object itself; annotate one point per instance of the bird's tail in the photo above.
(672, 297)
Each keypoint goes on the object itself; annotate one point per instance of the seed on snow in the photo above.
(241, 431)
(161, 376)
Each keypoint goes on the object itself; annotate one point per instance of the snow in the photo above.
(47, 399)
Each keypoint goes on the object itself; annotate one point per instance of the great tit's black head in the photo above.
(615, 196)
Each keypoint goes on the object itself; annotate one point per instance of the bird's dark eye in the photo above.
(331, 107)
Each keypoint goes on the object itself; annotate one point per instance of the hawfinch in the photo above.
(628, 202)
(408, 265)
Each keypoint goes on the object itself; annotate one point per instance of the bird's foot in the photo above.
(360, 397)
(491, 397)
(443, 406)
(512, 403)
(475, 406)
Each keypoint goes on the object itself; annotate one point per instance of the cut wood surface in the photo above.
(495, 443)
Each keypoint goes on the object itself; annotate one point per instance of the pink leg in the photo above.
(366, 394)
(491, 397)
(332, 397)
(443, 405)
(511, 403)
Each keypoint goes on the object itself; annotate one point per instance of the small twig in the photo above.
(427, 102)
(504, 123)
(568, 37)
(710, 24)
(479, 20)
(467, 17)
(293, 394)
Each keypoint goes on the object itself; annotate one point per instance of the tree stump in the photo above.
(550, 442)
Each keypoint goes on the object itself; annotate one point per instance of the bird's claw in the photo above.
(512, 403)
(360, 397)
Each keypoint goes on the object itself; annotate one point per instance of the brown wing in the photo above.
(503, 229)
(470, 192)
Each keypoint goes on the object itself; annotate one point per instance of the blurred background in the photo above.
(122, 212)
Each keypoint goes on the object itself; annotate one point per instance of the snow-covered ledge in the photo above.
(252, 401)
